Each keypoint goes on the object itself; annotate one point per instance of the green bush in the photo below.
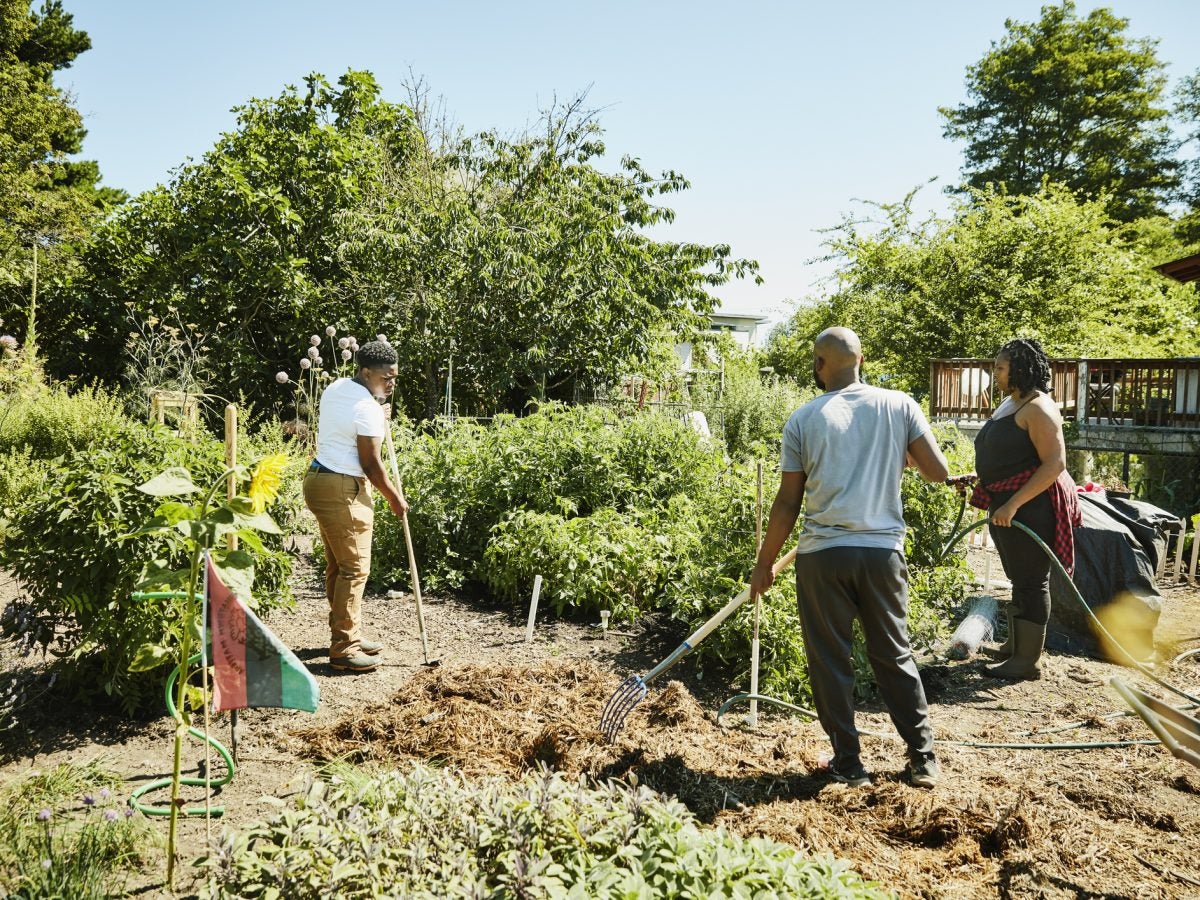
(589, 563)
(65, 833)
(52, 421)
(464, 481)
(65, 543)
(634, 514)
(752, 408)
(433, 834)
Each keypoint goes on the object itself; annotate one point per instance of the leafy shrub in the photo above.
(752, 408)
(463, 481)
(22, 474)
(54, 421)
(65, 833)
(434, 834)
(66, 546)
(589, 563)
(674, 529)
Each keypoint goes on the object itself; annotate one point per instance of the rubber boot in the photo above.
(1004, 650)
(1028, 640)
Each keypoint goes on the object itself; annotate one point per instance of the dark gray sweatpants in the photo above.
(833, 588)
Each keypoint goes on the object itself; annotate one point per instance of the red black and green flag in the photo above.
(252, 667)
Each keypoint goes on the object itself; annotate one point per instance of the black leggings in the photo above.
(1025, 563)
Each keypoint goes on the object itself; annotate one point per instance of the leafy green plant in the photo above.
(753, 406)
(631, 514)
(53, 421)
(463, 481)
(65, 547)
(589, 563)
(430, 833)
(66, 833)
(204, 526)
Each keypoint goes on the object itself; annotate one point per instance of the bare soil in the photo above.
(1106, 822)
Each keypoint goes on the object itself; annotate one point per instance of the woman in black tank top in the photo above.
(1019, 455)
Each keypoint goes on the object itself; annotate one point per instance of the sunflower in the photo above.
(264, 483)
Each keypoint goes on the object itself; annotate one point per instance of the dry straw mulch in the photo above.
(999, 823)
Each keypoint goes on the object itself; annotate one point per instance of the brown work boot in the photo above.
(370, 648)
(359, 663)
(1028, 640)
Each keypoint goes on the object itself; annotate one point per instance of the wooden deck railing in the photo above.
(1153, 393)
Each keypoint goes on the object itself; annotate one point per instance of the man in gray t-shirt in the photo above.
(845, 452)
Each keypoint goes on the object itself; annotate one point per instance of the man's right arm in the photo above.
(926, 455)
(784, 512)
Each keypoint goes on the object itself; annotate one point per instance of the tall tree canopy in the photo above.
(1047, 266)
(1072, 101)
(45, 198)
(332, 206)
(1187, 110)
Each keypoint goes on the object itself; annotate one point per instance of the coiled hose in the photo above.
(135, 797)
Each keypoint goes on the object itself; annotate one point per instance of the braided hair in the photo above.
(1028, 365)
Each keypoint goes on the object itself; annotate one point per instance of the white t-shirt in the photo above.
(851, 444)
(347, 411)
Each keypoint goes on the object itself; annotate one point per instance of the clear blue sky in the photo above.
(781, 114)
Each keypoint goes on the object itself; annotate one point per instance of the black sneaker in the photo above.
(852, 774)
(923, 772)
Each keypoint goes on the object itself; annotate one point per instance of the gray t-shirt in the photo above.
(851, 444)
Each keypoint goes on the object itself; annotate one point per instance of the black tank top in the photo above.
(1003, 449)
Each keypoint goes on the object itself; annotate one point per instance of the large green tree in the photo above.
(245, 244)
(1074, 101)
(531, 264)
(46, 199)
(1187, 110)
(1047, 266)
(332, 206)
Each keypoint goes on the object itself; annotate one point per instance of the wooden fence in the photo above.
(1154, 393)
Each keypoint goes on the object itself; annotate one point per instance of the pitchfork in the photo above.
(634, 688)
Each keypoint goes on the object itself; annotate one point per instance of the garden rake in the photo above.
(412, 557)
(634, 688)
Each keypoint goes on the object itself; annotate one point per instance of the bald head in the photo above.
(838, 343)
(837, 353)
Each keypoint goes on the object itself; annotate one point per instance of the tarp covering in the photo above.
(1117, 548)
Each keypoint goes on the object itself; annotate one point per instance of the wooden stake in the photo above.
(231, 492)
(752, 718)
(1179, 553)
(1195, 554)
(231, 460)
(533, 604)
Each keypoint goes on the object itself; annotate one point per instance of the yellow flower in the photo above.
(264, 483)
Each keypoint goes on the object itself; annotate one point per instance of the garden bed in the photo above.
(1020, 823)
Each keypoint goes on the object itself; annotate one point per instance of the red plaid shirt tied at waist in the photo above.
(1063, 501)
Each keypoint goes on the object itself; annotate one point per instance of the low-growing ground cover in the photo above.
(66, 832)
(426, 833)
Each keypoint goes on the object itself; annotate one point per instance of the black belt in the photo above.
(317, 467)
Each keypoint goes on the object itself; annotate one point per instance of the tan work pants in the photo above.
(345, 512)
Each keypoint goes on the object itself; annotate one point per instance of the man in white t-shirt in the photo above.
(350, 431)
(845, 452)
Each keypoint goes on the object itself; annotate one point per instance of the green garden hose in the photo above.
(135, 797)
(1054, 561)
